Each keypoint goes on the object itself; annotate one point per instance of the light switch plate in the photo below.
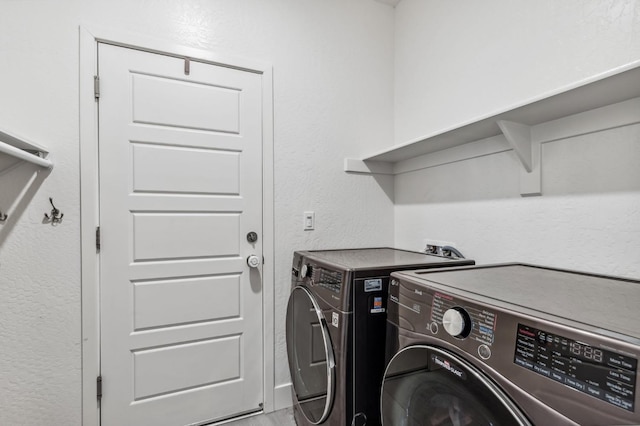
(309, 222)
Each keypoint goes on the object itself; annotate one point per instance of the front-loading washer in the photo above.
(512, 344)
(335, 330)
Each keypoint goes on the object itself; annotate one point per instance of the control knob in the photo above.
(306, 270)
(457, 322)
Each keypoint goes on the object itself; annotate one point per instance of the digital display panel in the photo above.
(603, 374)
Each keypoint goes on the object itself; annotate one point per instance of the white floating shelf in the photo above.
(614, 86)
(23, 150)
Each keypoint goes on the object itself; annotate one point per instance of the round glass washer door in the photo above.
(311, 359)
(426, 385)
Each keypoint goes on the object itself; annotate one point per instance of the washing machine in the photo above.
(512, 344)
(335, 330)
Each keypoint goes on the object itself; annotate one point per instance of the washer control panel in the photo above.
(463, 320)
(465, 324)
(594, 371)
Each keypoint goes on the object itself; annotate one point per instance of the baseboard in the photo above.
(282, 396)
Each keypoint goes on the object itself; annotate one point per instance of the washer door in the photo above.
(425, 385)
(311, 360)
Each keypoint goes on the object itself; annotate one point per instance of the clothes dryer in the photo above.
(511, 345)
(335, 330)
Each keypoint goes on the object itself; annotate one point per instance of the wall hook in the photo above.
(3, 217)
(56, 215)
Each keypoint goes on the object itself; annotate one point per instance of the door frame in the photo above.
(89, 37)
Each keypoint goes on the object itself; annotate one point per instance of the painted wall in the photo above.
(333, 97)
(456, 61)
(460, 60)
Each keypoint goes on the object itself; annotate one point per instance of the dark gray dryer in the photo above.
(336, 320)
(512, 345)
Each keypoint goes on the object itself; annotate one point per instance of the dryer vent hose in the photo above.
(454, 251)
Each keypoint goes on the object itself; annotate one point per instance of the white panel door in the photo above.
(180, 188)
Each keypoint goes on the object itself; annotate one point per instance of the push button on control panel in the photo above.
(433, 327)
(484, 351)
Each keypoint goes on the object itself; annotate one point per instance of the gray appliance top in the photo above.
(604, 302)
(379, 258)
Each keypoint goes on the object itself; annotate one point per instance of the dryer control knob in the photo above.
(456, 322)
(305, 271)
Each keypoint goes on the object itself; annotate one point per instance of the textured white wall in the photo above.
(459, 60)
(587, 218)
(333, 96)
(456, 61)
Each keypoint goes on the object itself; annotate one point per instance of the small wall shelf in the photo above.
(615, 86)
(22, 150)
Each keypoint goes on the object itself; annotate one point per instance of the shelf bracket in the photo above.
(519, 137)
(528, 151)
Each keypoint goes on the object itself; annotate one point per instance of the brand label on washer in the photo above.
(335, 319)
(451, 368)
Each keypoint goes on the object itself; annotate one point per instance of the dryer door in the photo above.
(427, 385)
(311, 360)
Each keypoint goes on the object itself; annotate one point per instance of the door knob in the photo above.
(253, 261)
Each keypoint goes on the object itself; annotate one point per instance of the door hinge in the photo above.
(99, 387)
(98, 238)
(96, 87)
